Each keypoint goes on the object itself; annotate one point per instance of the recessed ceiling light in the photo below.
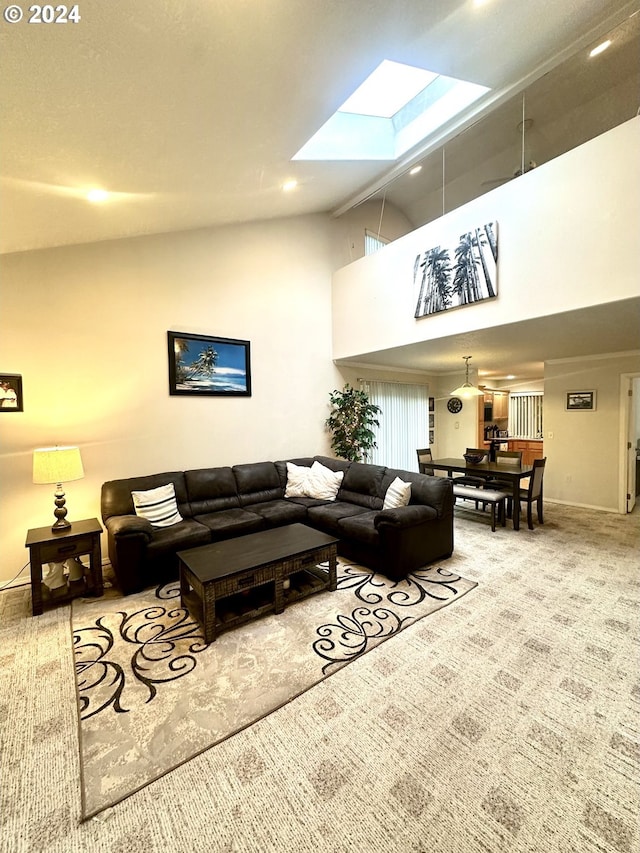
(97, 196)
(511, 376)
(415, 170)
(289, 185)
(600, 48)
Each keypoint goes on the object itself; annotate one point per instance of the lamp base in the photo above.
(60, 512)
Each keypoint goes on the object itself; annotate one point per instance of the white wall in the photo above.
(560, 229)
(86, 328)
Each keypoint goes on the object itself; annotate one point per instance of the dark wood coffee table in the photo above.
(227, 583)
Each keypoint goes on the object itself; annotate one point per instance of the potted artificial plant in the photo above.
(350, 422)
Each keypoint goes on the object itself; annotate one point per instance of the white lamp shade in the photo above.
(467, 391)
(57, 465)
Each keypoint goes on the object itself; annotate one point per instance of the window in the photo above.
(373, 243)
(525, 414)
(404, 422)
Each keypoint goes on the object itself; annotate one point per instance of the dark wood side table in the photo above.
(83, 537)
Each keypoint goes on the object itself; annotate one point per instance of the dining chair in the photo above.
(469, 479)
(506, 458)
(533, 494)
(424, 457)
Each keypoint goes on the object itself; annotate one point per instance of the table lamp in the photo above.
(57, 465)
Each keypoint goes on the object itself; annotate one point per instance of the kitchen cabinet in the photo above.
(530, 449)
(500, 404)
(497, 415)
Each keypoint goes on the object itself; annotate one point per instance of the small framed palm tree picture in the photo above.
(201, 365)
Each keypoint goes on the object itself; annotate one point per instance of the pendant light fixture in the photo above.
(467, 390)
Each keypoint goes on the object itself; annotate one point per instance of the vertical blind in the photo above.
(525, 415)
(404, 422)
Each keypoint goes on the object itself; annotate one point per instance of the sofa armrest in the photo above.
(405, 516)
(129, 525)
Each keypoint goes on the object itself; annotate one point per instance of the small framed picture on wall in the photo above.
(581, 401)
(11, 392)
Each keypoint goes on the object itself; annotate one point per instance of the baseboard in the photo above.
(582, 506)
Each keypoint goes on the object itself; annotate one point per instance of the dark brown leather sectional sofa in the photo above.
(220, 503)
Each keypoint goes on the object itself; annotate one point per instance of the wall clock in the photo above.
(454, 405)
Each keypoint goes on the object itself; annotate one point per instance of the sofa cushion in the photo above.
(327, 516)
(361, 527)
(211, 489)
(362, 485)
(179, 537)
(257, 482)
(333, 464)
(279, 512)
(436, 492)
(116, 494)
(158, 506)
(398, 494)
(225, 523)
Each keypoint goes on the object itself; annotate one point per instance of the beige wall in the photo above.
(378, 218)
(86, 327)
(583, 449)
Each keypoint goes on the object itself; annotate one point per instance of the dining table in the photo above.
(513, 474)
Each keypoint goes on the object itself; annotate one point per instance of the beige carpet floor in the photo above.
(507, 723)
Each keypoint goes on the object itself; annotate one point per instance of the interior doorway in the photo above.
(630, 440)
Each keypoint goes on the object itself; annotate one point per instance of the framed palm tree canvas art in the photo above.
(449, 276)
(201, 365)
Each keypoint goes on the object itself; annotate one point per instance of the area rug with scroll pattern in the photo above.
(152, 694)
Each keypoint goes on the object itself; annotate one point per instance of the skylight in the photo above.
(396, 107)
(387, 89)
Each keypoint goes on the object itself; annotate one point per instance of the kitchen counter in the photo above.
(532, 448)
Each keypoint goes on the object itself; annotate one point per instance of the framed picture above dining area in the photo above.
(580, 401)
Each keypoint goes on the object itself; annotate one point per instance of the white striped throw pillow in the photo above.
(398, 494)
(157, 505)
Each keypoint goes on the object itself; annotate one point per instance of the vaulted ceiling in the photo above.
(190, 112)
